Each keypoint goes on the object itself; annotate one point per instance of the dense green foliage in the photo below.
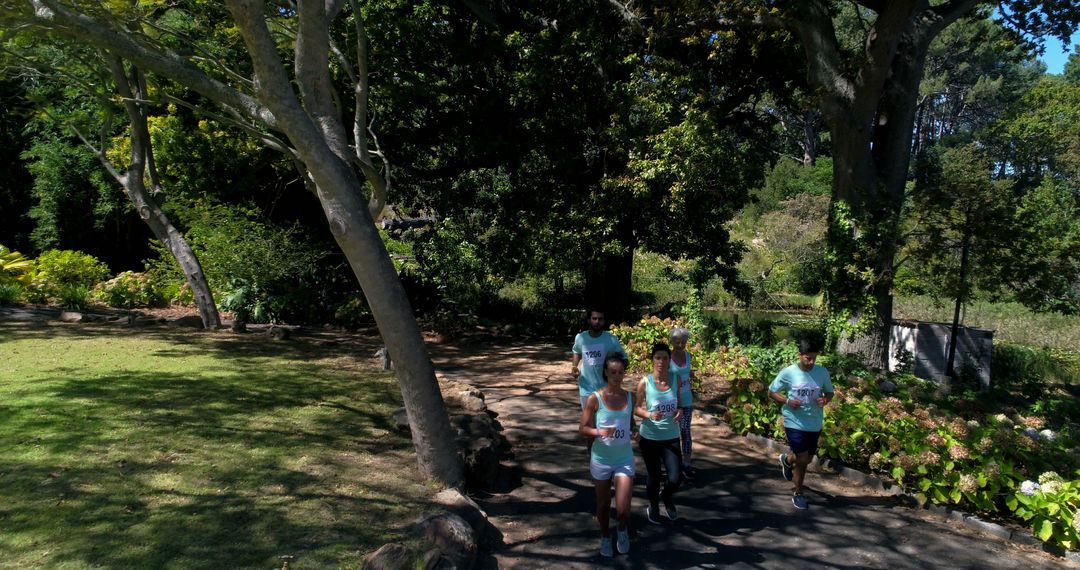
(260, 271)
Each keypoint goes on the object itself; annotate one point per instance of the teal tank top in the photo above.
(666, 402)
(615, 450)
(682, 373)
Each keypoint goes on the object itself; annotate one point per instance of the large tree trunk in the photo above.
(148, 208)
(609, 285)
(870, 113)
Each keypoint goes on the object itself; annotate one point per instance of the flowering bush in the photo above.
(639, 339)
(127, 290)
(1051, 507)
(978, 462)
(750, 410)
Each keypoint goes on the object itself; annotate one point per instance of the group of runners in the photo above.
(656, 413)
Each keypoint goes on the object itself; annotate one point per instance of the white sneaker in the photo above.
(624, 541)
(605, 547)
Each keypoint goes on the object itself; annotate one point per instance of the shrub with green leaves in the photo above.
(353, 312)
(253, 267)
(127, 290)
(1052, 507)
(749, 409)
(74, 297)
(639, 339)
(11, 293)
(447, 260)
(65, 273)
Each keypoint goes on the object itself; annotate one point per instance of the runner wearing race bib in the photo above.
(591, 348)
(608, 420)
(681, 371)
(803, 390)
(658, 407)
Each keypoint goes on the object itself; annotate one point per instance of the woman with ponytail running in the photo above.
(608, 418)
(657, 404)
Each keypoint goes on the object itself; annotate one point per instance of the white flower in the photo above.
(1049, 476)
(1032, 433)
(967, 483)
(1029, 487)
(1047, 435)
(1051, 488)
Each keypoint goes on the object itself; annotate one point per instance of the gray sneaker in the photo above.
(605, 547)
(623, 542)
(799, 501)
(785, 467)
(650, 516)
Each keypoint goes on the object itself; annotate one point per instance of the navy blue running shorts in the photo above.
(802, 441)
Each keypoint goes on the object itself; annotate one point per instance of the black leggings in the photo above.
(654, 453)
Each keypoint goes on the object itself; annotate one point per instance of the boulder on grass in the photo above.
(189, 321)
(71, 316)
(452, 536)
(393, 556)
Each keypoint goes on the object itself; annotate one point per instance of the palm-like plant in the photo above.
(14, 267)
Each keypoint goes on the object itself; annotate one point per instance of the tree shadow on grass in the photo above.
(229, 466)
(303, 343)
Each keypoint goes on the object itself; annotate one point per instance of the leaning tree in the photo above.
(284, 93)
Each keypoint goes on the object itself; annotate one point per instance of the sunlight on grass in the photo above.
(124, 448)
(1010, 322)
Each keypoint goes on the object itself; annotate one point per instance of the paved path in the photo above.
(737, 513)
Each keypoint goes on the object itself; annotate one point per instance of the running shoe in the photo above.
(649, 516)
(670, 510)
(785, 467)
(605, 547)
(688, 472)
(624, 541)
(799, 501)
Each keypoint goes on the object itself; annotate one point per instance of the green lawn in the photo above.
(1011, 322)
(160, 448)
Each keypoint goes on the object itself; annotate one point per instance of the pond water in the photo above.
(762, 327)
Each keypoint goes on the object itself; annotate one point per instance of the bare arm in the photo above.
(576, 360)
(639, 401)
(784, 400)
(587, 425)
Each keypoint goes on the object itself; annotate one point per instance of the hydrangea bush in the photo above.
(127, 290)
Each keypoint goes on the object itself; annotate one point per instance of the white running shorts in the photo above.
(603, 472)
